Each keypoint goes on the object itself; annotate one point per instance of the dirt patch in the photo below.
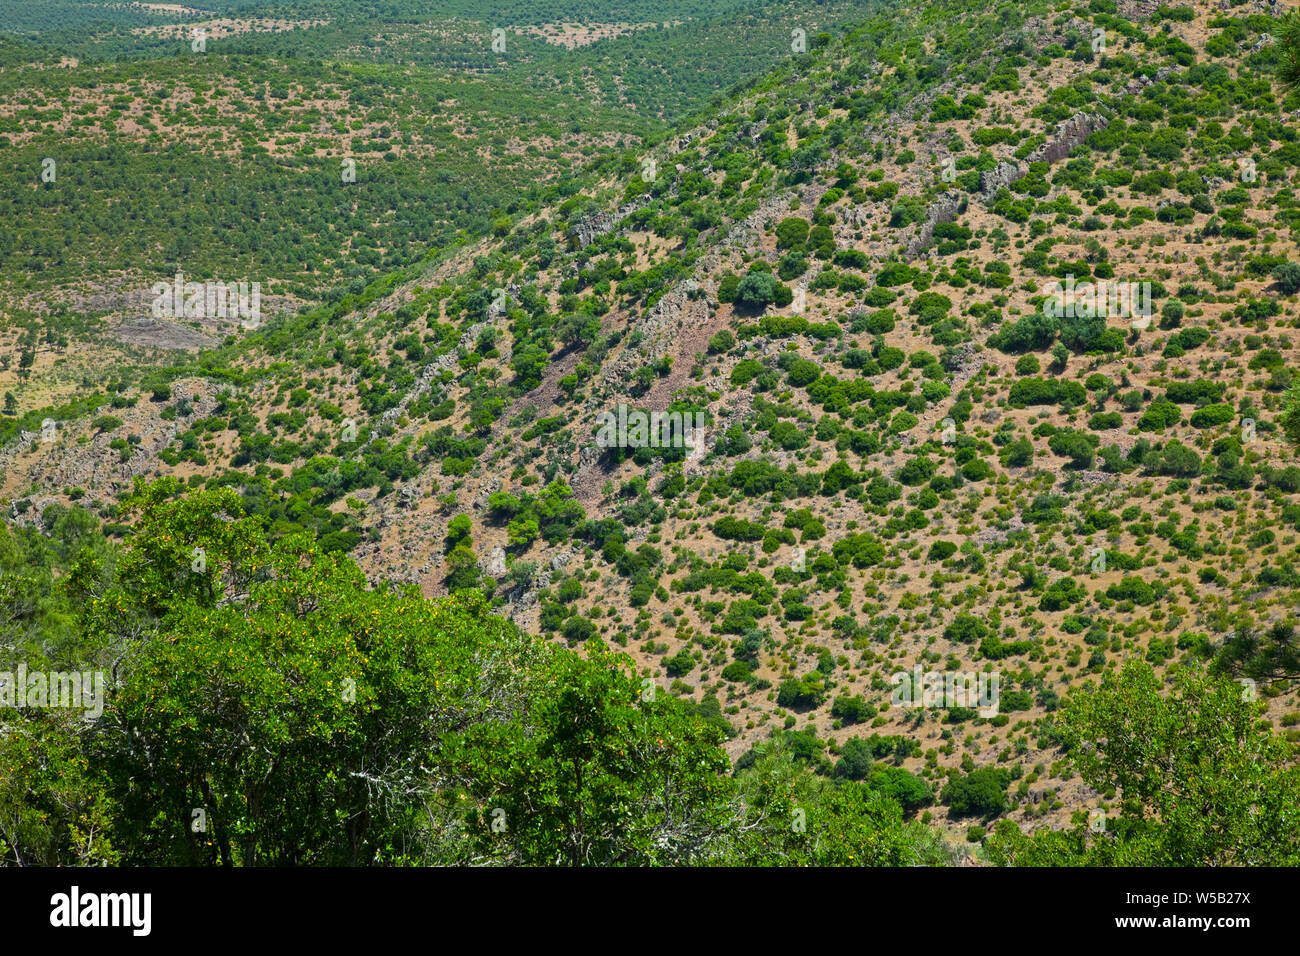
(216, 29)
(573, 35)
(162, 334)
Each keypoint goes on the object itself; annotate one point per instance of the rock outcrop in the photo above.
(944, 209)
(1068, 134)
(1000, 176)
(587, 231)
(1138, 84)
(155, 333)
(1138, 9)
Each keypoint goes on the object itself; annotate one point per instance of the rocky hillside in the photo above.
(875, 275)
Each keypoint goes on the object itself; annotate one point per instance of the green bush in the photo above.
(680, 664)
(1211, 415)
(1040, 391)
(981, 793)
(737, 671)
(1287, 277)
(852, 710)
(756, 291)
(797, 694)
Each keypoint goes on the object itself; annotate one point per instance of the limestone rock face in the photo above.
(1069, 134)
(589, 230)
(1000, 176)
(944, 209)
(1274, 8)
(1139, 9)
(494, 563)
(1140, 83)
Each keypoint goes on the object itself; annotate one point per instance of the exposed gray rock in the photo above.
(999, 177)
(1140, 83)
(486, 491)
(1139, 9)
(999, 535)
(1273, 8)
(494, 563)
(162, 334)
(1069, 134)
(589, 230)
(1094, 477)
(676, 310)
(32, 516)
(944, 209)
(432, 371)
(1066, 137)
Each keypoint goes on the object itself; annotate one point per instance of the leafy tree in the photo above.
(1019, 453)
(300, 719)
(199, 547)
(1269, 655)
(315, 720)
(1035, 330)
(756, 291)
(577, 329)
(1202, 782)
(981, 793)
(1290, 419)
(794, 818)
(1075, 446)
(1288, 42)
(855, 759)
(852, 709)
(1082, 332)
(792, 233)
(902, 786)
(54, 808)
(600, 775)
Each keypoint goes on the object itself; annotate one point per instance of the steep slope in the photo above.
(306, 146)
(867, 271)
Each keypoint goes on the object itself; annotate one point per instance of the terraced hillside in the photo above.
(875, 274)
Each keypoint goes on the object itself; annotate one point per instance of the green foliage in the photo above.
(235, 622)
(587, 782)
(1039, 391)
(1271, 654)
(1290, 419)
(980, 793)
(1204, 783)
(795, 819)
(1033, 331)
(852, 709)
(757, 290)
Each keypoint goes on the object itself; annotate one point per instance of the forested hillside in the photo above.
(973, 326)
(308, 147)
(450, 120)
